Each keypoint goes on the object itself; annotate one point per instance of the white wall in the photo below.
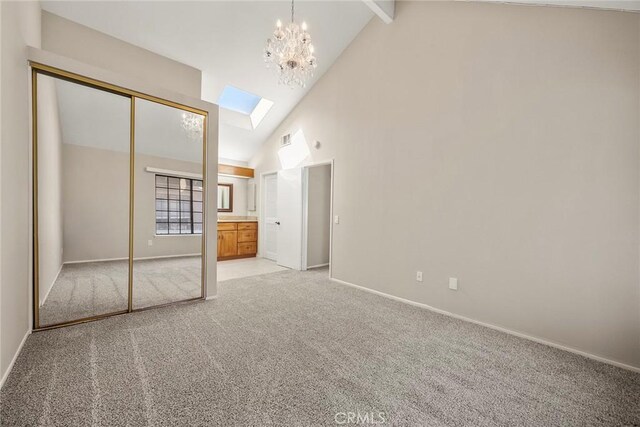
(239, 195)
(92, 47)
(517, 129)
(239, 189)
(318, 215)
(50, 226)
(20, 27)
(225, 161)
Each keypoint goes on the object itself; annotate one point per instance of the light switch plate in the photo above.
(419, 276)
(336, 219)
(453, 283)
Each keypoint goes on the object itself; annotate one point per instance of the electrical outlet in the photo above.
(336, 219)
(453, 283)
(150, 242)
(419, 276)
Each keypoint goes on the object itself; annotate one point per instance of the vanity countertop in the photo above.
(237, 219)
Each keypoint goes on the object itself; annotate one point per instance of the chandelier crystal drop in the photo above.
(192, 125)
(290, 52)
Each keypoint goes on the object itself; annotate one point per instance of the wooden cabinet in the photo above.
(247, 248)
(227, 243)
(227, 226)
(237, 240)
(247, 236)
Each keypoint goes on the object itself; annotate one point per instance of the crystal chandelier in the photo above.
(291, 53)
(192, 125)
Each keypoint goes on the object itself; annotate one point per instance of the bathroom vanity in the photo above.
(237, 237)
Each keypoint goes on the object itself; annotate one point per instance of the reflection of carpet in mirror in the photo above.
(88, 289)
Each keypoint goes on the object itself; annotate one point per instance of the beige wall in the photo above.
(96, 204)
(142, 70)
(145, 86)
(20, 27)
(95, 188)
(92, 47)
(318, 215)
(78, 42)
(517, 129)
(2, 369)
(50, 226)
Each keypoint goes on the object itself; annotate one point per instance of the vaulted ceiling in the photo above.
(225, 39)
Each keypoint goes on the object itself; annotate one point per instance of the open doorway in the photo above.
(317, 213)
(297, 216)
(238, 227)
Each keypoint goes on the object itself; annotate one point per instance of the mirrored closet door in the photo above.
(119, 199)
(82, 199)
(169, 205)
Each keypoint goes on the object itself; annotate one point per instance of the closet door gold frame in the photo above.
(37, 68)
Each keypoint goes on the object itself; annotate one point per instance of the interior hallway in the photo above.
(294, 348)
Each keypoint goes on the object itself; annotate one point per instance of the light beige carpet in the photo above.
(295, 349)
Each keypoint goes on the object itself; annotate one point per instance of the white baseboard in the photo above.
(166, 256)
(135, 259)
(211, 297)
(317, 266)
(6, 373)
(494, 327)
(51, 286)
(84, 261)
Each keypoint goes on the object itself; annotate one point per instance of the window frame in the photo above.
(192, 189)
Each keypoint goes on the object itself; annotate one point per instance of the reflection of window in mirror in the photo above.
(178, 205)
(225, 197)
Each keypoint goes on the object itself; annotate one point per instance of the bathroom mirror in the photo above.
(81, 249)
(169, 205)
(225, 197)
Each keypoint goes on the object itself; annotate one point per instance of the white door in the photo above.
(290, 218)
(271, 217)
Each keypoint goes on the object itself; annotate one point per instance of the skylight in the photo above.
(238, 100)
(245, 110)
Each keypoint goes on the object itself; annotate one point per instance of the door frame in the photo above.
(305, 216)
(262, 229)
(261, 237)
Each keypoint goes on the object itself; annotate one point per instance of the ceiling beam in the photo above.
(385, 9)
